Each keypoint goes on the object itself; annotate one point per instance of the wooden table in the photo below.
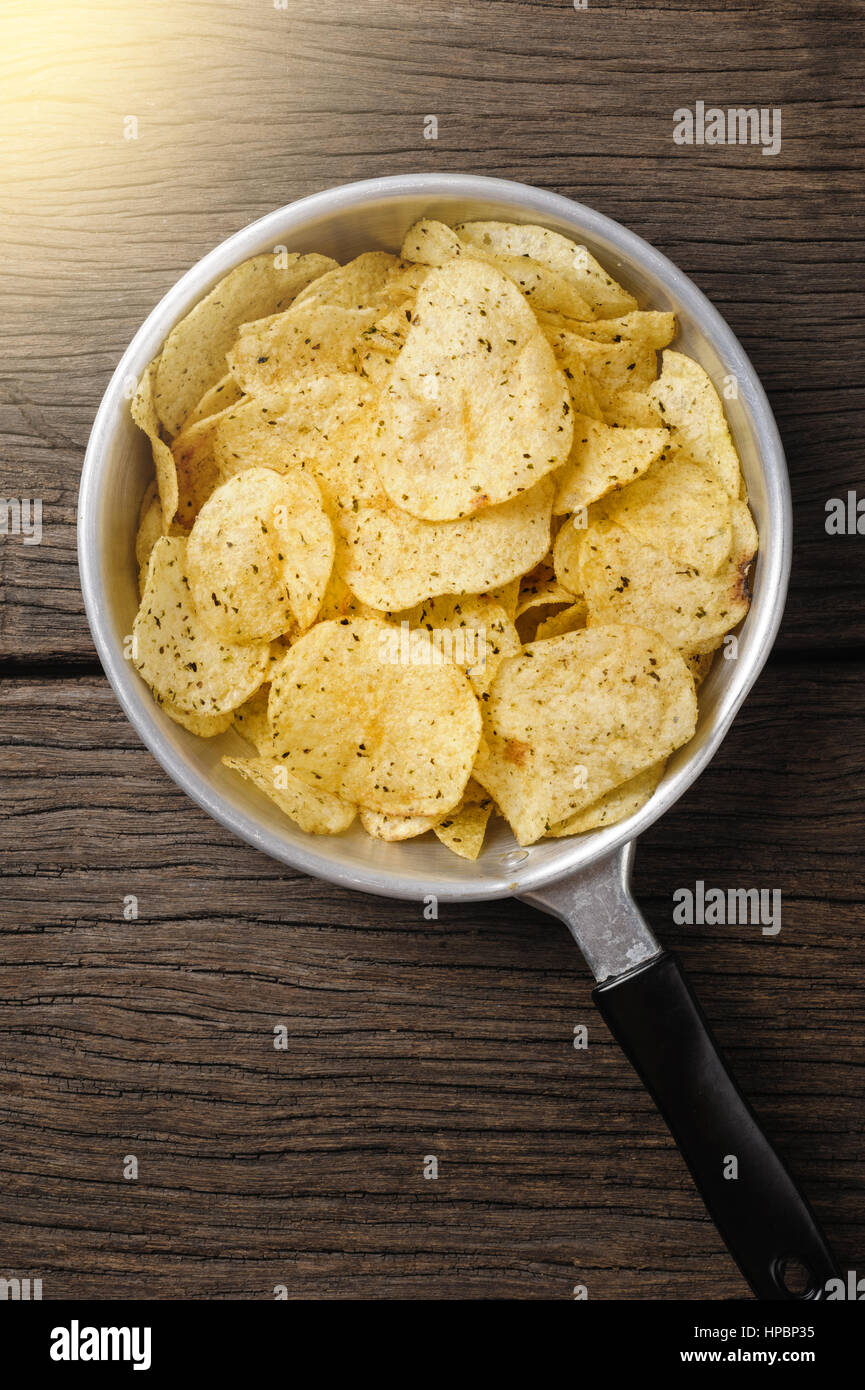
(154, 1037)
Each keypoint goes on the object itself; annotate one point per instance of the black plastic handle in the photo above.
(761, 1214)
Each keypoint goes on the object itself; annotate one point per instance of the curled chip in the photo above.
(315, 811)
(463, 830)
(350, 719)
(390, 560)
(143, 411)
(362, 282)
(394, 828)
(575, 264)
(603, 458)
(226, 392)
(575, 716)
(260, 555)
(691, 407)
(626, 581)
(183, 661)
(149, 531)
(647, 327)
(475, 409)
(193, 358)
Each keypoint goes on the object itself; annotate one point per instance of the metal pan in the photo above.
(584, 881)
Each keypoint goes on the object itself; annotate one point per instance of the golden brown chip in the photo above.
(576, 716)
(679, 509)
(565, 620)
(260, 555)
(475, 409)
(251, 721)
(193, 358)
(394, 828)
(313, 810)
(350, 718)
(472, 630)
(391, 561)
(355, 285)
(226, 392)
(308, 340)
(463, 830)
(185, 664)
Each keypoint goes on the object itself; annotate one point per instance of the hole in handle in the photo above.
(795, 1277)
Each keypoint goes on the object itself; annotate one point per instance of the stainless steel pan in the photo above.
(584, 881)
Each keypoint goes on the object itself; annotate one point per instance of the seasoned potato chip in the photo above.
(143, 411)
(356, 285)
(576, 716)
(203, 725)
(181, 659)
(193, 358)
(475, 410)
(226, 392)
(626, 581)
(260, 555)
(431, 243)
(692, 408)
(393, 828)
(649, 327)
(566, 555)
(614, 805)
(699, 664)
(632, 410)
(350, 718)
(679, 509)
(565, 620)
(575, 264)
(472, 630)
(391, 561)
(308, 340)
(603, 458)
(197, 469)
(149, 531)
(611, 367)
(464, 829)
(312, 809)
(251, 721)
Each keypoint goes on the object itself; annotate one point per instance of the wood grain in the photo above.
(406, 1037)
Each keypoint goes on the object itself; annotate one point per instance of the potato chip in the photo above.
(355, 285)
(431, 243)
(391, 561)
(226, 392)
(699, 664)
(313, 810)
(350, 718)
(149, 531)
(576, 716)
(197, 469)
(632, 410)
(475, 409)
(193, 358)
(602, 459)
(566, 554)
(615, 805)
(309, 340)
(626, 581)
(647, 327)
(679, 509)
(260, 555)
(692, 409)
(177, 654)
(202, 725)
(472, 630)
(394, 828)
(464, 829)
(573, 263)
(611, 367)
(143, 411)
(251, 721)
(565, 620)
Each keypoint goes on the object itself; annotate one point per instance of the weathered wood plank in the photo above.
(404, 1037)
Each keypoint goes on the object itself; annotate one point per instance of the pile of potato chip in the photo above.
(435, 536)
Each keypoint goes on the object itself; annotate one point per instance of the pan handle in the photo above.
(650, 1008)
(764, 1219)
